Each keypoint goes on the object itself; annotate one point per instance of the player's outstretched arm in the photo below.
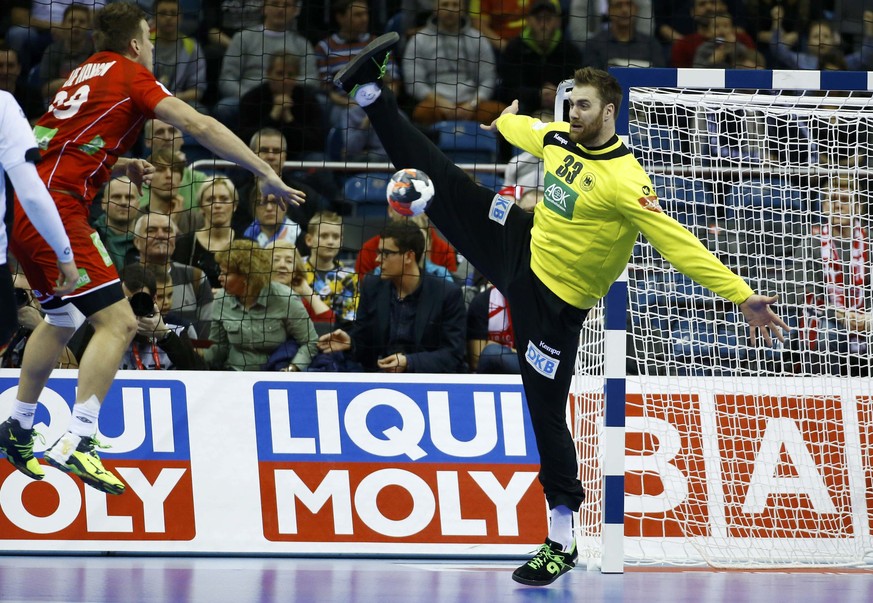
(762, 319)
(216, 137)
(511, 109)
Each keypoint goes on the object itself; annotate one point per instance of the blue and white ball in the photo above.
(409, 192)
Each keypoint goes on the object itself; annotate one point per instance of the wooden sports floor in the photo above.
(93, 579)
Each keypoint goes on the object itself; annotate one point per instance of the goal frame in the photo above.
(616, 302)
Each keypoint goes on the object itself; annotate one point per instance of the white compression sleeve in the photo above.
(40, 208)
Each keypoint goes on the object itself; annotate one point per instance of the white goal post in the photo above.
(725, 453)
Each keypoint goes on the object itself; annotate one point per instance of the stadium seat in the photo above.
(693, 342)
(732, 136)
(366, 193)
(771, 200)
(654, 145)
(686, 200)
(465, 142)
(789, 141)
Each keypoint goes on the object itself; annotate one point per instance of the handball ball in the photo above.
(409, 192)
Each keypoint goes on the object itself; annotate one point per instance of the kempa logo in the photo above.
(561, 139)
(559, 196)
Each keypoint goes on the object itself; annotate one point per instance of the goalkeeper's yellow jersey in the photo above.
(596, 203)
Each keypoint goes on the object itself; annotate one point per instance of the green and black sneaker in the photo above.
(368, 66)
(78, 455)
(547, 565)
(17, 444)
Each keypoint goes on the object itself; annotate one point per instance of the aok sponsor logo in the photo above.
(145, 426)
(559, 197)
(405, 463)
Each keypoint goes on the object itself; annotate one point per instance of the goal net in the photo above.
(740, 455)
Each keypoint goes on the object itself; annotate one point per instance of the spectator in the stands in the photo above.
(795, 21)
(622, 44)
(222, 19)
(71, 45)
(271, 223)
(179, 62)
(490, 341)
(438, 251)
(359, 141)
(116, 224)
(162, 194)
(335, 283)
(289, 270)
(155, 240)
(723, 40)
(30, 31)
(315, 20)
(450, 69)
(284, 103)
(159, 135)
(269, 144)
(254, 317)
(28, 97)
(217, 200)
(746, 58)
(407, 322)
(159, 344)
(676, 19)
(533, 64)
(244, 65)
(585, 19)
(838, 312)
(820, 40)
(414, 14)
(703, 11)
(500, 21)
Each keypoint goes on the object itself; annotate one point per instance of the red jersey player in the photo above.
(94, 118)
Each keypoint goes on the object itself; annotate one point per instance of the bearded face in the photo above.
(588, 117)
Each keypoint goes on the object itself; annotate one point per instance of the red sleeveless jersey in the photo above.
(95, 118)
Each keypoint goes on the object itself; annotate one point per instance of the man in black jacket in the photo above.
(407, 321)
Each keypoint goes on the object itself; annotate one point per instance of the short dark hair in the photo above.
(156, 2)
(255, 140)
(338, 7)
(407, 235)
(116, 25)
(137, 277)
(74, 7)
(608, 88)
(165, 156)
